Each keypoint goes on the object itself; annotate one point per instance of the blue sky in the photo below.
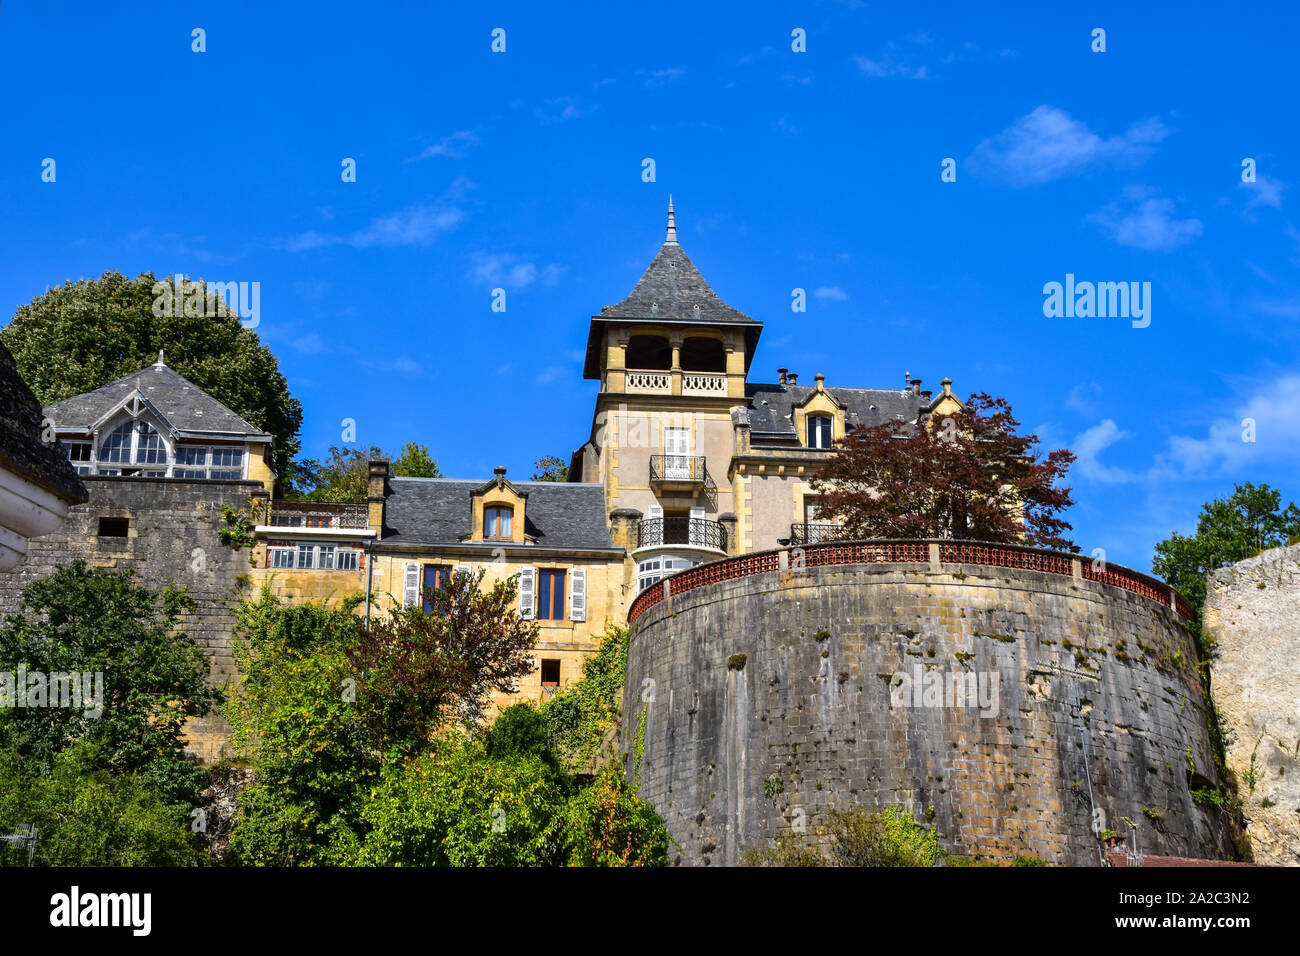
(818, 170)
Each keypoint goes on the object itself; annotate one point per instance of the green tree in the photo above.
(84, 334)
(425, 669)
(345, 476)
(550, 468)
(87, 816)
(580, 718)
(416, 462)
(1248, 522)
(98, 621)
(297, 718)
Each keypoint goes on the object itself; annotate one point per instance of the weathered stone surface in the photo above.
(1252, 611)
(811, 706)
(171, 538)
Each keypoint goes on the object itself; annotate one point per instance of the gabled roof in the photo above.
(181, 403)
(21, 450)
(771, 419)
(438, 511)
(671, 290)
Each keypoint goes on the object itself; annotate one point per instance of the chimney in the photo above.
(947, 386)
(916, 386)
(793, 378)
(820, 379)
(375, 495)
(781, 372)
(927, 395)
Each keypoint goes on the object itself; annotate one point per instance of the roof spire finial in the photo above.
(160, 363)
(671, 240)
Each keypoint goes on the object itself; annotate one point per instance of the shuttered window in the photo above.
(527, 592)
(411, 586)
(578, 599)
(550, 595)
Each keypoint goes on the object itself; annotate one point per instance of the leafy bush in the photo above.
(87, 816)
(891, 837)
(578, 719)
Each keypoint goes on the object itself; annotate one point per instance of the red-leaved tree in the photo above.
(968, 475)
(422, 669)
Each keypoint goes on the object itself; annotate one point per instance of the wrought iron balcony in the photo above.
(696, 532)
(678, 469)
(319, 514)
(814, 532)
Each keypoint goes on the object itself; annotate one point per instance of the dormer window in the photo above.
(819, 431)
(496, 521)
(134, 443)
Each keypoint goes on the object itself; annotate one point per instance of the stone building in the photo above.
(687, 460)
(698, 461)
(37, 485)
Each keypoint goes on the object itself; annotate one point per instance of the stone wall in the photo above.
(1252, 612)
(807, 711)
(171, 537)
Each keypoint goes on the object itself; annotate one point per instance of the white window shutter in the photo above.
(411, 588)
(462, 569)
(528, 592)
(578, 595)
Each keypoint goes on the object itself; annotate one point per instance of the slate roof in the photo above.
(21, 450)
(770, 417)
(186, 406)
(670, 290)
(437, 511)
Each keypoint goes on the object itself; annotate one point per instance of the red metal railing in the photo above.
(910, 552)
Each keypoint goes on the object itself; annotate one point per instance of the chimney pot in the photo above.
(927, 394)
(499, 470)
(947, 386)
(781, 372)
(916, 386)
(793, 378)
(819, 378)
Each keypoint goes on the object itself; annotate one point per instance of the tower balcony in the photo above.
(678, 472)
(698, 533)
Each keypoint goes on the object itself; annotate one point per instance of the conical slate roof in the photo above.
(670, 290)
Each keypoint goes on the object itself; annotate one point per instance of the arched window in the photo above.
(703, 355)
(819, 431)
(134, 443)
(650, 352)
(496, 521)
(117, 443)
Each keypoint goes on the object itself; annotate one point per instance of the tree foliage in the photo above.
(345, 475)
(550, 468)
(84, 334)
(98, 620)
(890, 837)
(969, 475)
(1228, 530)
(579, 718)
(428, 667)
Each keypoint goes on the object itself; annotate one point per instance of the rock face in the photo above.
(1252, 611)
(757, 704)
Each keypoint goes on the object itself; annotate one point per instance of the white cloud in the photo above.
(407, 365)
(830, 293)
(1145, 221)
(1083, 397)
(1264, 191)
(562, 109)
(452, 147)
(656, 78)
(1276, 417)
(1089, 444)
(888, 65)
(1047, 144)
(508, 271)
(416, 225)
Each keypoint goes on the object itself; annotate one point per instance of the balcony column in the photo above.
(676, 372)
(728, 522)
